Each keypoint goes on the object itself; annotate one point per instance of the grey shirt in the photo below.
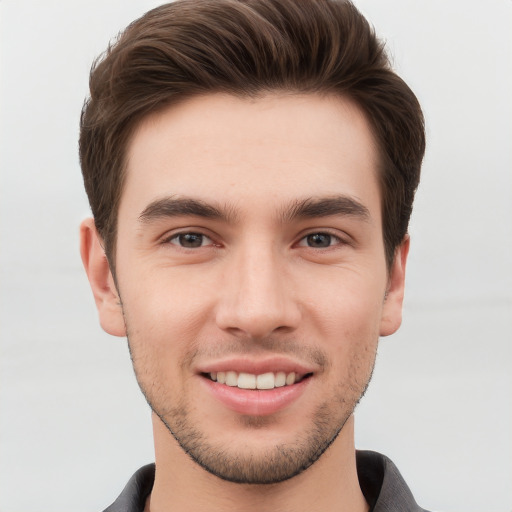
(382, 485)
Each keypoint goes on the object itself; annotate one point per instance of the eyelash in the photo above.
(332, 237)
(176, 237)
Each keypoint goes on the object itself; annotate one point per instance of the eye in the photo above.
(190, 240)
(319, 240)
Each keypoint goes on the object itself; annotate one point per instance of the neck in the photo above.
(181, 485)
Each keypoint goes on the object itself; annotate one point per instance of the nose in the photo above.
(257, 296)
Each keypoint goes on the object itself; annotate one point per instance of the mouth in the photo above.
(256, 387)
(251, 381)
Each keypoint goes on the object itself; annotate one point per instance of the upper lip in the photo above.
(256, 366)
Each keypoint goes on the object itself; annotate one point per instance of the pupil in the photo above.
(319, 240)
(191, 240)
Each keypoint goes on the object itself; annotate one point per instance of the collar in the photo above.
(381, 483)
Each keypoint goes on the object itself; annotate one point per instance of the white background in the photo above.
(73, 425)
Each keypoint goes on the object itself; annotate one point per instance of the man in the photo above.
(251, 168)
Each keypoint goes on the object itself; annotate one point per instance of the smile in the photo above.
(257, 386)
(269, 380)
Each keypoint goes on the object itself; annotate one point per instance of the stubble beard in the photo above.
(275, 464)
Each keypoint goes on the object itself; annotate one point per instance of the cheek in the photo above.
(166, 303)
(346, 319)
(166, 315)
(348, 306)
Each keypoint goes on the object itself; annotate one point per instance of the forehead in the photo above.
(271, 149)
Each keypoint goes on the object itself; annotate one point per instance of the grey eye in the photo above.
(319, 240)
(190, 240)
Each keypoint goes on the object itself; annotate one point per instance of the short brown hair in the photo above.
(246, 48)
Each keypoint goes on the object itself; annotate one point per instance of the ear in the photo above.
(393, 301)
(100, 277)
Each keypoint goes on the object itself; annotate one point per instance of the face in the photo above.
(251, 271)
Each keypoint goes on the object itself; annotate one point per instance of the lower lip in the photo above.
(255, 402)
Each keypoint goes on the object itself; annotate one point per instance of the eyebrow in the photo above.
(312, 207)
(308, 208)
(178, 207)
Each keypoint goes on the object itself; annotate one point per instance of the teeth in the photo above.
(246, 381)
(280, 380)
(250, 381)
(265, 381)
(290, 379)
(231, 379)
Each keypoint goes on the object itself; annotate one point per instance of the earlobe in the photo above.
(393, 300)
(100, 278)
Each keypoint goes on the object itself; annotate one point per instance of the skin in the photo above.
(255, 276)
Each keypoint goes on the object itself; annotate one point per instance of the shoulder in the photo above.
(382, 484)
(134, 495)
